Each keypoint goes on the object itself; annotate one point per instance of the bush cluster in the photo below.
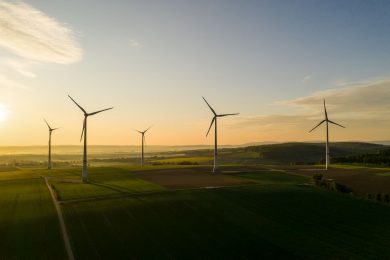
(379, 197)
(380, 158)
(332, 185)
(176, 163)
(187, 163)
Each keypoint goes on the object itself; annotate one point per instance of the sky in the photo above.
(271, 61)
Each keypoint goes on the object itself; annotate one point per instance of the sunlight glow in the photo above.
(3, 113)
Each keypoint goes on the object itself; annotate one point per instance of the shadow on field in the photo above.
(108, 186)
(196, 177)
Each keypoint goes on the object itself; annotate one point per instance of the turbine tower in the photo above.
(84, 133)
(49, 164)
(327, 121)
(143, 142)
(214, 121)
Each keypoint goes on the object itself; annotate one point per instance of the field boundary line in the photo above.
(138, 194)
(60, 219)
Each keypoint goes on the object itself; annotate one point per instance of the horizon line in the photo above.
(183, 145)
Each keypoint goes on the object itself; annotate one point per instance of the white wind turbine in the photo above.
(84, 133)
(143, 143)
(214, 121)
(49, 164)
(327, 121)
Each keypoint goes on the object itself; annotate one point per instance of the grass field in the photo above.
(269, 220)
(28, 222)
(103, 182)
(194, 160)
(172, 211)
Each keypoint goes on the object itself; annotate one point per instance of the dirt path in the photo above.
(61, 220)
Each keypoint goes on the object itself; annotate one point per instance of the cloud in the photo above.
(134, 43)
(23, 67)
(33, 35)
(362, 107)
(306, 78)
(10, 83)
(361, 99)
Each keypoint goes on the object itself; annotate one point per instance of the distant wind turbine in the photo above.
(84, 133)
(49, 164)
(214, 121)
(326, 120)
(143, 143)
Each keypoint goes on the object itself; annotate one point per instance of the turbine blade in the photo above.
(212, 122)
(222, 115)
(94, 113)
(47, 124)
(148, 128)
(326, 113)
(82, 109)
(317, 125)
(82, 132)
(212, 110)
(55, 128)
(137, 131)
(336, 124)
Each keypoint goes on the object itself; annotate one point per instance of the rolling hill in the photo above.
(288, 153)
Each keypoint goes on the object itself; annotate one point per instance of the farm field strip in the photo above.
(362, 180)
(144, 183)
(140, 194)
(267, 221)
(244, 211)
(28, 221)
(61, 221)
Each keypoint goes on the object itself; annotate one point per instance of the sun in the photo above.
(3, 113)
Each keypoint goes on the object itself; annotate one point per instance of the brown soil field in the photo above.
(361, 180)
(196, 177)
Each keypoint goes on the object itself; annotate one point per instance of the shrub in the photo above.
(369, 196)
(187, 163)
(378, 197)
(318, 179)
(335, 186)
(386, 198)
(330, 184)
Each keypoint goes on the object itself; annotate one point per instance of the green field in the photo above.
(28, 222)
(128, 212)
(236, 223)
(195, 160)
(103, 182)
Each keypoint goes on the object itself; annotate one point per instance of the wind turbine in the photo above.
(327, 121)
(143, 142)
(214, 121)
(84, 133)
(49, 164)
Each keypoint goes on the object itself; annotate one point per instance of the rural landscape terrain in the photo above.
(261, 203)
(197, 129)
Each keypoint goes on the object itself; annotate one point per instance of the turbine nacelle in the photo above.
(50, 129)
(143, 132)
(326, 120)
(214, 122)
(143, 142)
(84, 134)
(49, 164)
(216, 115)
(86, 115)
